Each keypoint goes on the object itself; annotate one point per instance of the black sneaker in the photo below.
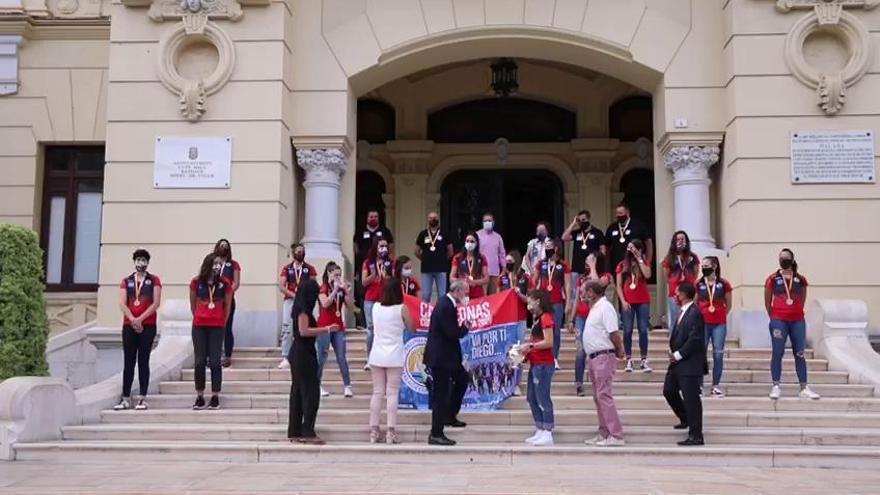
(200, 403)
(215, 402)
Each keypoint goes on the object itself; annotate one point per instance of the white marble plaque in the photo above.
(832, 157)
(192, 162)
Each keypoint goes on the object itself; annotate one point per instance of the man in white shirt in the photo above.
(603, 344)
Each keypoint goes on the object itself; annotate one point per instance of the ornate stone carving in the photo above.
(161, 10)
(502, 150)
(691, 158)
(322, 163)
(828, 18)
(67, 6)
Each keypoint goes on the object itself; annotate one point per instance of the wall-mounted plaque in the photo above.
(192, 162)
(832, 157)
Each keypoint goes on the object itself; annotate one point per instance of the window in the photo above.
(515, 119)
(631, 118)
(73, 194)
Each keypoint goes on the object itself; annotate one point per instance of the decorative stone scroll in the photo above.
(828, 24)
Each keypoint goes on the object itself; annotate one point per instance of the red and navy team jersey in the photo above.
(206, 316)
(719, 300)
(554, 286)
(633, 295)
(410, 286)
(681, 270)
(475, 273)
(385, 268)
(295, 276)
(146, 299)
(779, 307)
(541, 356)
(229, 269)
(327, 316)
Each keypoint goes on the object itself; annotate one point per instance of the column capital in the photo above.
(686, 157)
(322, 160)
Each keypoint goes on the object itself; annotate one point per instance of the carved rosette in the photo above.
(828, 16)
(691, 160)
(322, 165)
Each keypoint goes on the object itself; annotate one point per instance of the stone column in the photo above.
(324, 170)
(690, 166)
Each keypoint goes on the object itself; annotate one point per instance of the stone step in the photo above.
(620, 388)
(567, 360)
(419, 454)
(522, 417)
(560, 403)
(331, 374)
(511, 434)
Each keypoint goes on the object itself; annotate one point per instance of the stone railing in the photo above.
(67, 310)
(838, 331)
(36, 408)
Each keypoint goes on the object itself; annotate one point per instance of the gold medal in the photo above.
(623, 230)
(137, 289)
(622, 240)
(137, 302)
(549, 286)
(789, 301)
(211, 289)
(211, 305)
(433, 248)
(788, 286)
(711, 309)
(632, 286)
(338, 314)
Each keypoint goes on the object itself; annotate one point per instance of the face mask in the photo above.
(406, 272)
(383, 252)
(299, 257)
(707, 272)
(584, 223)
(372, 222)
(488, 225)
(532, 306)
(434, 223)
(510, 267)
(621, 219)
(786, 264)
(141, 265)
(218, 267)
(680, 245)
(542, 236)
(550, 252)
(224, 250)
(470, 246)
(464, 300)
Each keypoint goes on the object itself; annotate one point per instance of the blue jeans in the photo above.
(580, 360)
(780, 331)
(368, 318)
(716, 334)
(674, 309)
(337, 339)
(642, 313)
(428, 280)
(538, 395)
(574, 286)
(558, 317)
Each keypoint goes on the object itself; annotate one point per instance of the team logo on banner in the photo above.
(414, 374)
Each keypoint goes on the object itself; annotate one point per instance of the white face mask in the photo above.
(470, 246)
(383, 251)
(406, 272)
(488, 224)
(464, 300)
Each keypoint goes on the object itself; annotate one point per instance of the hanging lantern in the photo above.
(504, 81)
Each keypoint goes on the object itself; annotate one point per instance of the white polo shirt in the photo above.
(600, 324)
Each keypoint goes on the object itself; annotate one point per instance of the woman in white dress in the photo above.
(386, 360)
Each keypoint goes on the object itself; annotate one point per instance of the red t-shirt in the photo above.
(541, 356)
(145, 296)
(385, 268)
(296, 275)
(681, 270)
(554, 282)
(410, 286)
(205, 315)
(327, 316)
(779, 307)
(475, 272)
(633, 295)
(719, 301)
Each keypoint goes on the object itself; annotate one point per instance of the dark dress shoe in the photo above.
(691, 442)
(441, 440)
(456, 423)
(681, 426)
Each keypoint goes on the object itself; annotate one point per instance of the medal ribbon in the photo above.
(138, 287)
(211, 289)
(470, 267)
(433, 237)
(788, 285)
(711, 291)
(623, 229)
(551, 269)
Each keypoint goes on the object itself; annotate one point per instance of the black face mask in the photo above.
(434, 223)
(549, 252)
(786, 264)
(299, 257)
(584, 224)
(510, 267)
(541, 236)
(621, 219)
(707, 272)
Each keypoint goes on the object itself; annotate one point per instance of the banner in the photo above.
(496, 323)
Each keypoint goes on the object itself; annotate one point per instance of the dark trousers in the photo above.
(207, 342)
(136, 348)
(682, 393)
(229, 340)
(305, 394)
(449, 386)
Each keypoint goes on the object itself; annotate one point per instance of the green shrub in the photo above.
(24, 327)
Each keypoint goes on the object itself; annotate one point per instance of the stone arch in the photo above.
(515, 161)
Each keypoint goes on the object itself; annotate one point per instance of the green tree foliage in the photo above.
(24, 327)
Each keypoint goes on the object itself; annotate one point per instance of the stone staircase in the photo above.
(745, 428)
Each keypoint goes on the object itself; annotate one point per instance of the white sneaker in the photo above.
(284, 364)
(717, 393)
(544, 440)
(556, 364)
(141, 405)
(645, 367)
(806, 393)
(611, 442)
(124, 404)
(595, 440)
(367, 367)
(517, 391)
(775, 392)
(324, 393)
(534, 437)
(629, 366)
(347, 392)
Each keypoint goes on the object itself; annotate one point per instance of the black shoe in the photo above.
(215, 402)
(691, 442)
(227, 362)
(200, 403)
(441, 440)
(456, 423)
(681, 426)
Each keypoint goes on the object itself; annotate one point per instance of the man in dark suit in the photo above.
(687, 366)
(443, 358)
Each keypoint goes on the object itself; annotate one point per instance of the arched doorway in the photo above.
(637, 187)
(467, 194)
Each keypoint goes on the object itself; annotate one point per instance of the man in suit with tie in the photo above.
(443, 358)
(687, 366)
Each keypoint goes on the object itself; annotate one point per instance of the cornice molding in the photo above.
(67, 29)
